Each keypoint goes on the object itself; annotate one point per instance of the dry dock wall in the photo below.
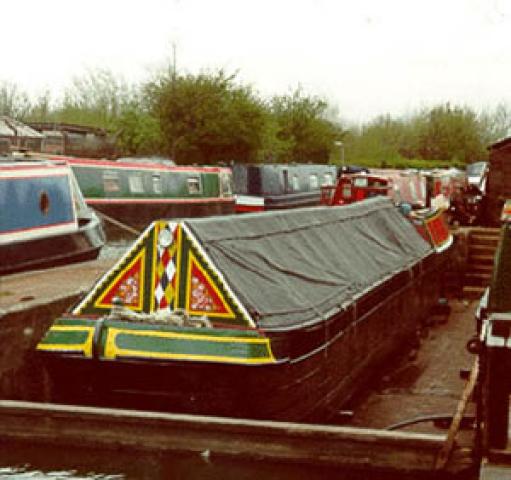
(21, 328)
(250, 440)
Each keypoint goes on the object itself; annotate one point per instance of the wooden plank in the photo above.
(317, 445)
(447, 448)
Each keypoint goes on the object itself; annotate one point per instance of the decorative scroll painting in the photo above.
(128, 281)
(202, 295)
(166, 269)
(128, 286)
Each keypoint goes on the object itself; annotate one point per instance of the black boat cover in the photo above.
(295, 267)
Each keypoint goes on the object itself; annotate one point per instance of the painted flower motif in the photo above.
(200, 297)
(129, 290)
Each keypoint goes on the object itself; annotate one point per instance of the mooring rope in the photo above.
(118, 224)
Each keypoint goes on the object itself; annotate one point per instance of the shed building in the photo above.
(498, 188)
(15, 135)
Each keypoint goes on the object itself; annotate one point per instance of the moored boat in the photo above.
(137, 191)
(435, 190)
(408, 186)
(44, 220)
(262, 187)
(278, 315)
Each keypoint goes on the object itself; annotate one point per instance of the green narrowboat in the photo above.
(137, 191)
(275, 315)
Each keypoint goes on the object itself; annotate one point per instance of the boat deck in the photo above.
(427, 382)
(23, 290)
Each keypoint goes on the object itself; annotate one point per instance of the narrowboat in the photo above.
(355, 188)
(44, 220)
(408, 186)
(278, 186)
(137, 191)
(401, 186)
(419, 189)
(442, 185)
(276, 315)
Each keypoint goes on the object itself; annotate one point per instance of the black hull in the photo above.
(51, 251)
(139, 215)
(320, 368)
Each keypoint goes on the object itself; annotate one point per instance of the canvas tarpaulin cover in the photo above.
(293, 267)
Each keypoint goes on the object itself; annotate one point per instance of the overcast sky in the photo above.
(367, 57)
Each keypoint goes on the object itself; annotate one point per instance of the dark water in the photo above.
(41, 463)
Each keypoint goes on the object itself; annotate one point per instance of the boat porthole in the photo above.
(44, 202)
(165, 238)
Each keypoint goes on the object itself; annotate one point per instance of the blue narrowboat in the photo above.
(44, 220)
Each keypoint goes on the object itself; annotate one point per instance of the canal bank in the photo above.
(28, 304)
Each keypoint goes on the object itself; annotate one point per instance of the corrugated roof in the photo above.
(13, 128)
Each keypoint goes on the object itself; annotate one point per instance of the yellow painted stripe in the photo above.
(183, 356)
(156, 230)
(178, 266)
(85, 347)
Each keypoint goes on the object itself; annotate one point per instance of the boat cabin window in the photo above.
(79, 202)
(194, 185)
(413, 191)
(423, 189)
(225, 184)
(157, 183)
(296, 183)
(328, 179)
(111, 182)
(136, 184)
(377, 183)
(313, 181)
(285, 176)
(360, 182)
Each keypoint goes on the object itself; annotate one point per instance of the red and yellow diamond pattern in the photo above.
(165, 268)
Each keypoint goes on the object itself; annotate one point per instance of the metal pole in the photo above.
(341, 147)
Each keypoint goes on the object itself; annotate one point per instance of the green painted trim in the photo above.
(157, 342)
(157, 345)
(75, 339)
(74, 321)
(65, 337)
